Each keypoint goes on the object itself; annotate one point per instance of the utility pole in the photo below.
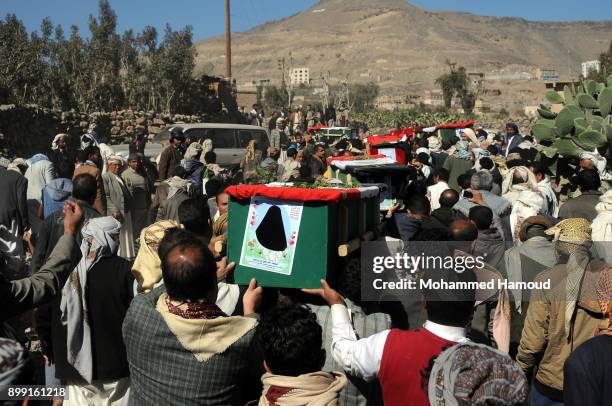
(228, 42)
(290, 87)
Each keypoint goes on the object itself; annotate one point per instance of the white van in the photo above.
(229, 140)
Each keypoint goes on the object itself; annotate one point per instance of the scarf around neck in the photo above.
(205, 336)
(314, 389)
(100, 240)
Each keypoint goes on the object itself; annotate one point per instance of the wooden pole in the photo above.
(228, 42)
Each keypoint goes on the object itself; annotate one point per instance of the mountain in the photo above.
(404, 47)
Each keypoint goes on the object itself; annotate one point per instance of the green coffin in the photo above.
(323, 227)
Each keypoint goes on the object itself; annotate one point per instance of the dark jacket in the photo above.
(410, 228)
(168, 161)
(491, 246)
(438, 159)
(110, 287)
(588, 373)
(446, 215)
(516, 140)
(13, 199)
(581, 206)
(317, 167)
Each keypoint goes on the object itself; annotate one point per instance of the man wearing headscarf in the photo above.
(39, 173)
(520, 187)
(278, 137)
(561, 318)
(476, 374)
(119, 204)
(95, 298)
(588, 370)
(602, 227)
(594, 160)
(250, 161)
(438, 155)
(62, 156)
(551, 202)
(48, 325)
(92, 138)
(179, 190)
(513, 137)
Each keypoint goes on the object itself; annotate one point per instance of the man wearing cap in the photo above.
(171, 155)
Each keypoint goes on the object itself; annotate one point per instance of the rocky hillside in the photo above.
(403, 47)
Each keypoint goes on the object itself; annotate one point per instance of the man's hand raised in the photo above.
(73, 214)
(252, 298)
(330, 296)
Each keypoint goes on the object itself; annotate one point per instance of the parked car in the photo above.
(229, 141)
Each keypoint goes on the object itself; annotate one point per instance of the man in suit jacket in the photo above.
(513, 137)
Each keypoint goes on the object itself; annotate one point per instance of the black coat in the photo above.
(13, 199)
(588, 373)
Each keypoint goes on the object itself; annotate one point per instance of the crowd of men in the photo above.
(124, 263)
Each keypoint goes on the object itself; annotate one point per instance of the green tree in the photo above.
(19, 56)
(172, 66)
(605, 59)
(103, 58)
(363, 96)
(275, 98)
(455, 83)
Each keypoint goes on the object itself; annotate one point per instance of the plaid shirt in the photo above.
(163, 372)
(357, 392)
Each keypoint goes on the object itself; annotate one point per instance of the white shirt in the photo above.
(362, 357)
(434, 192)
(509, 143)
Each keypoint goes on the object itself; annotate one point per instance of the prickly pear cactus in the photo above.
(584, 123)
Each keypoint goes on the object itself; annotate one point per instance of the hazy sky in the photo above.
(207, 16)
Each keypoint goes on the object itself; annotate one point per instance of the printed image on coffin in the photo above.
(272, 232)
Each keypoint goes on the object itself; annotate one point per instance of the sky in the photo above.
(208, 16)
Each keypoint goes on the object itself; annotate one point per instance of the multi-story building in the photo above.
(590, 66)
(300, 76)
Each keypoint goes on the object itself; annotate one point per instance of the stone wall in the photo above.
(26, 130)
